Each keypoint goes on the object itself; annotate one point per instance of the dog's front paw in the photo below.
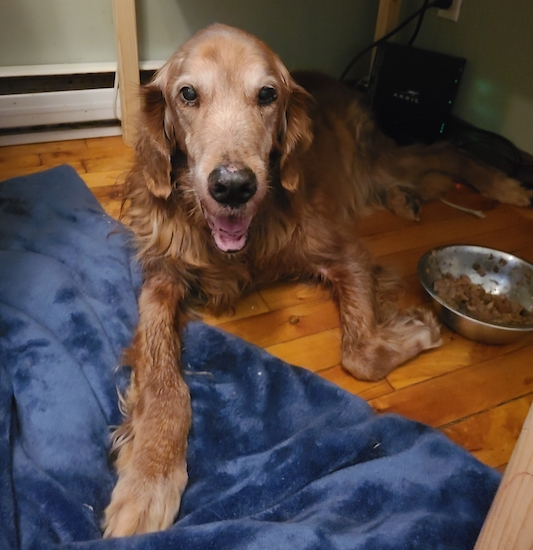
(402, 337)
(143, 504)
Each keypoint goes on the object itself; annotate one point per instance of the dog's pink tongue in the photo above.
(230, 233)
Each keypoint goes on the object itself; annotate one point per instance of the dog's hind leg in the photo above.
(437, 167)
(407, 176)
(492, 182)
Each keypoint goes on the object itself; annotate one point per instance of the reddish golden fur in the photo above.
(319, 163)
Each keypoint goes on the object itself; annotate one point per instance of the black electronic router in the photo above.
(412, 92)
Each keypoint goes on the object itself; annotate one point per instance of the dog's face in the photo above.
(227, 103)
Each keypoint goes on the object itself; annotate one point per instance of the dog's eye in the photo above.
(267, 95)
(188, 94)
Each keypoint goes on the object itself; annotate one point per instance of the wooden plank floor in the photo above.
(478, 395)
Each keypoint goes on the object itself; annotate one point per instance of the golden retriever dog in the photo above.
(245, 175)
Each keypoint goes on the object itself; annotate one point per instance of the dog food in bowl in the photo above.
(462, 294)
(484, 294)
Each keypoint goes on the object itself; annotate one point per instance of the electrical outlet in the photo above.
(452, 12)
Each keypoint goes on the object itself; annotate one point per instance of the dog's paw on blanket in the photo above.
(278, 458)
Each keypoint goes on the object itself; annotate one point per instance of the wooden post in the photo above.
(509, 523)
(388, 15)
(127, 66)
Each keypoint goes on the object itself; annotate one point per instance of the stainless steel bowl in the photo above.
(498, 272)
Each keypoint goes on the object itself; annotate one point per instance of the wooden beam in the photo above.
(127, 66)
(509, 523)
(388, 14)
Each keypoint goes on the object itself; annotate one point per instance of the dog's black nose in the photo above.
(232, 187)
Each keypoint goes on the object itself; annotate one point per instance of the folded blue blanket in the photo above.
(278, 458)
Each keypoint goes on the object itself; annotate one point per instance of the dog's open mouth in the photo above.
(229, 232)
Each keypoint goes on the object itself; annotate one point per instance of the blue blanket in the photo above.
(278, 458)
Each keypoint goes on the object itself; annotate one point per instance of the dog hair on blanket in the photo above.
(245, 174)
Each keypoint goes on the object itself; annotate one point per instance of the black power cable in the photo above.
(442, 4)
(419, 22)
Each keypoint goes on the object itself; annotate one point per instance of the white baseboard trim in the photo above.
(71, 68)
(68, 107)
(59, 135)
(23, 115)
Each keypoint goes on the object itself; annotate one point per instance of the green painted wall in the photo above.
(305, 33)
(35, 32)
(496, 38)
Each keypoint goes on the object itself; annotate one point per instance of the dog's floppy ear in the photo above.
(155, 142)
(296, 134)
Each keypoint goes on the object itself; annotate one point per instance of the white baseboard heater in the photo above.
(55, 102)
